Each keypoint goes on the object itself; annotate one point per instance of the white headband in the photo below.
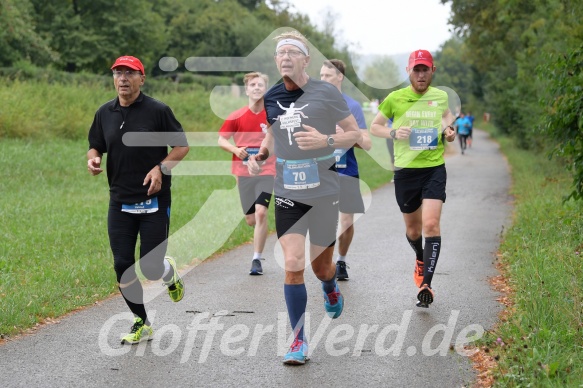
(294, 42)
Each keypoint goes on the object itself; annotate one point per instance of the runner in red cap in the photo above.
(420, 57)
(421, 123)
(139, 186)
(131, 62)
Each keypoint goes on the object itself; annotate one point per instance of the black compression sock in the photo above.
(430, 256)
(134, 295)
(417, 246)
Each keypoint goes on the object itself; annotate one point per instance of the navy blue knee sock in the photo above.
(329, 285)
(296, 299)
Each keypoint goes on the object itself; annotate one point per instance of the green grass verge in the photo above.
(541, 342)
(39, 110)
(54, 250)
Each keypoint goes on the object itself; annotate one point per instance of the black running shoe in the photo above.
(341, 273)
(256, 267)
(425, 296)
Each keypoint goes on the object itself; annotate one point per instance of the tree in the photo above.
(529, 56)
(504, 40)
(564, 109)
(457, 73)
(89, 35)
(19, 39)
(380, 76)
(83, 35)
(250, 4)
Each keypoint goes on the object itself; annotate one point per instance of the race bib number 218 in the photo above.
(423, 139)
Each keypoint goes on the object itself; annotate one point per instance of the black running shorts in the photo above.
(413, 185)
(318, 215)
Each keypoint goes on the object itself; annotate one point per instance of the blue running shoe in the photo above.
(333, 303)
(297, 353)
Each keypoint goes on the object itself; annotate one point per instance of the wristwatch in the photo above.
(163, 168)
(394, 133)
(330, 141)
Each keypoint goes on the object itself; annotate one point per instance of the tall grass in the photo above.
(40, 110)
(541, 344)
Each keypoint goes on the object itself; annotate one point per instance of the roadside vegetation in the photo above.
(539, 339)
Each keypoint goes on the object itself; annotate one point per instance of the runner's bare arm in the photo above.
(447, 121)
(225, 144)
(176, 154)
(312, 139)
(352, 135)
(379, 127)
(265, 149)
(366, 142)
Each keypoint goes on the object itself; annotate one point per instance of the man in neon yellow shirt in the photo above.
(421, 123)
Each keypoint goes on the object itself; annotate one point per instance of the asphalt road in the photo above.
(231, 329)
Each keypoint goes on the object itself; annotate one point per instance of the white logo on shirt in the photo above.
(290, 119)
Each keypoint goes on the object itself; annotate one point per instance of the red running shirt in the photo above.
(247, 129)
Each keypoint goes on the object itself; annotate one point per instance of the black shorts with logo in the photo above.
(413, 185)
(319, 216)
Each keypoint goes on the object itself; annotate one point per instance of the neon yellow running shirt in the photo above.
(421, 112)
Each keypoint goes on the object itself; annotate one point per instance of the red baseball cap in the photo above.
(131, 62)
(420, 57)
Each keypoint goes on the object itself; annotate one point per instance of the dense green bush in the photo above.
(563, 123)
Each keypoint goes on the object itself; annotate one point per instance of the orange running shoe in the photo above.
(425, 296)
(418, 273)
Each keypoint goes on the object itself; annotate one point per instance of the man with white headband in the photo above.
(294, 42)
(301, 115)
